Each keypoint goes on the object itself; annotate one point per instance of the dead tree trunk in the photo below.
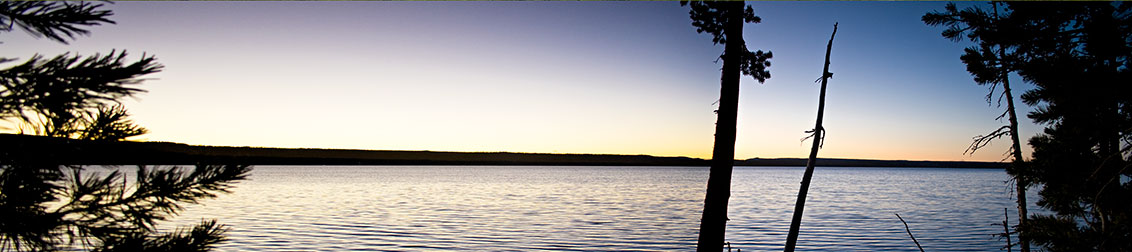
(796, 222)
(713, 224)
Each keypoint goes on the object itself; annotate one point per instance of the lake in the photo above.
(564, 208)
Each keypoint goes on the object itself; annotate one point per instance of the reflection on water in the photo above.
(426, 208)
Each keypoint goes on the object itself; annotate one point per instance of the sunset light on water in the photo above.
(565, 126)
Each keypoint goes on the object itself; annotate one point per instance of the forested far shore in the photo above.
(72, 151)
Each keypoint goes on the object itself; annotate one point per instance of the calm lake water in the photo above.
(523, 208)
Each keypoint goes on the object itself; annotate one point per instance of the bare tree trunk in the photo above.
(796, 223)
(713, 224)
(1019, 181)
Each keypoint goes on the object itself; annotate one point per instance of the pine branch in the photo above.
(201, 237)
(710, 17)
(57, 21)
(65, 87)
(108, 124)
(24, 191)
(105, 208)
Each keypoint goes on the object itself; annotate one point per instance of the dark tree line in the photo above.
(1076, 54)
(47, 206)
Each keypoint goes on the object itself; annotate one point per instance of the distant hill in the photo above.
(70, 151)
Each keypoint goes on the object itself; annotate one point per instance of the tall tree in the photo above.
(48, 206)
(724, 21)
(1077, 55)
(991, 61)
(819, 139)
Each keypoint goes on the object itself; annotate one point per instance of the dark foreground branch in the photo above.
(982, 140)
(909, 232)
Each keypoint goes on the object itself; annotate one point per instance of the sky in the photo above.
(543, 77)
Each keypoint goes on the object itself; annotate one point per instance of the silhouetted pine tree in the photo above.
(991, 61)
(1077, 56)
(724, 21)
(46, 206)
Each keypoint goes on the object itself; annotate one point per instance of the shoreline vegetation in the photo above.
(73, 151)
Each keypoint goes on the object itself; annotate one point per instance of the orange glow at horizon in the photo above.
(556, 77)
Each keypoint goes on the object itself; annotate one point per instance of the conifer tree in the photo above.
(991, 61)
(48, 206)
(724, 21)
(1077, 55)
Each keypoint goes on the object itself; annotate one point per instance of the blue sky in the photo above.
(554, 77)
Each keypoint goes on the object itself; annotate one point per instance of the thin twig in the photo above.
(1006, 229)
(983, 140)
(909, 232)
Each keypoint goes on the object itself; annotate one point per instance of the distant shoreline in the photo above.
(47, 150)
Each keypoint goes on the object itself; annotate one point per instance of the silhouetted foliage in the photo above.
(711, 17)
(724, 21)
(109, 124)
(198, 238)
(48, 206)
(990, 62)
(1079, 63)
(1077, 56)
(61, 96)
(57, 21)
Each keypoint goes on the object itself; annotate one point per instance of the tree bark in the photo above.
(1018, 163)
(1019, 181)
(713, 224)
(796, 222)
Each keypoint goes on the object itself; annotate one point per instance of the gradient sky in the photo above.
(550, 77)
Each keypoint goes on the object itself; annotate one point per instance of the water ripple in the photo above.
(484, 208)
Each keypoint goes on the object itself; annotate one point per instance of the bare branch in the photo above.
(909, 232)
(815, 132)
(981, 141)
(1000, 96)
(1004, 112)
(990, 94)
(1007, 155)
(811, 135)
(823, 134)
